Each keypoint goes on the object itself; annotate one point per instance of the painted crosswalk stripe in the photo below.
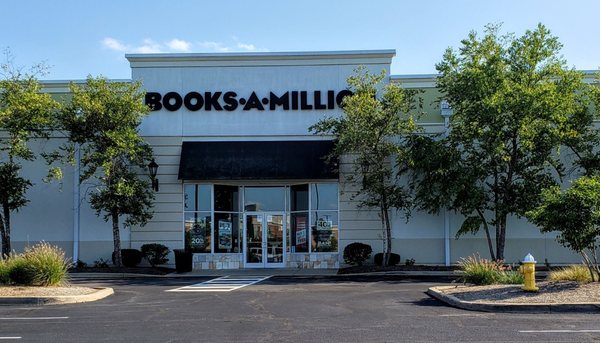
(222, 284)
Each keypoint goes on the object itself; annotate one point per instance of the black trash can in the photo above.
(183, 260)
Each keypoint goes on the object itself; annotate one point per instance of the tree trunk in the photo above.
(500, 236)
(116, 238)
(387, 230)
(388, 233)
(589, 265)
(486, 228)
(5, 231)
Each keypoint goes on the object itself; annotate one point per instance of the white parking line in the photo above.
(32, 318)
(222, 284)
(558, 331)
(16, 337)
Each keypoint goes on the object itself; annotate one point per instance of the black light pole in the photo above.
(153, 170)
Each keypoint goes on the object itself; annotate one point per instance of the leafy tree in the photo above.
(586, 150)
(369, 132)
(25, 114)
(515, 104)
(575, 214)
(103, 119)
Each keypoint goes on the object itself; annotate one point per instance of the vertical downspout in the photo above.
(76, 204)
(446, 213)
(446, 237)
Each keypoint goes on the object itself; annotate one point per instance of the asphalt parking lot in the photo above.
(283, 309)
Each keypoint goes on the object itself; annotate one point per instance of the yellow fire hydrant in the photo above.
(528, 270)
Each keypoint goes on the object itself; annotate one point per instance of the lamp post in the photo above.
(153, 170)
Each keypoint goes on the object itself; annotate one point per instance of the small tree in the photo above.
(369, 131)
(575, 214)
(103, 118)
(25, 114)
(515, 104)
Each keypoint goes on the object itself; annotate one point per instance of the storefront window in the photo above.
(197, 198)
(299, 234)
(227, 198)
(214, 224)
(228, 236)
(324, 229)
(264, 199)
(228, 231)
(324, 196)
(299, 231)
(299, 198)
(324, 217)
(198, 232)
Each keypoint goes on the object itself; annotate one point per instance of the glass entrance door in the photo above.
(264, 238)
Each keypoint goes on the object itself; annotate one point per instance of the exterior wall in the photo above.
(166, 227)
(356, 224)
(49, 214)
(54, 216)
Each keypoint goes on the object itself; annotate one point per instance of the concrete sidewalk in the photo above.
(265, 272)
(279, 272)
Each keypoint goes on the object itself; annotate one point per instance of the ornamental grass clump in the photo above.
(40, 265)
(481, 271)
(49, 264)
(577, 273)
(3, 271)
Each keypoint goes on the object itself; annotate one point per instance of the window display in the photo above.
(324, 230)
(198, 231)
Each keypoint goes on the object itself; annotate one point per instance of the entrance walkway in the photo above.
(222, 284)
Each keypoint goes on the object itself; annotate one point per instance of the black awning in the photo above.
(274, 160)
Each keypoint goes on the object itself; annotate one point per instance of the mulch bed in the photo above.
(128, 270)
(374, 268)
(550, 292)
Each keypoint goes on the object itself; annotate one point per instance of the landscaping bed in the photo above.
(375, 268)
(124, 270)
(549, 293)
(32, 291)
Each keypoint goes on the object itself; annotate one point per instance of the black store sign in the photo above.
(229, 101)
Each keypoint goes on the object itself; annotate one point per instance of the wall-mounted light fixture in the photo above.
(446, 111)
(153, 170)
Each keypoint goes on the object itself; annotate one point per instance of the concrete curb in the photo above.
(438, 293)
(100, 293)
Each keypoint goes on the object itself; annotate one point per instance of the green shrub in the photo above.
(80, 264)
(578, 273)
(357, 253)
(155, 253)
(480, 271)
(394, 259)
(129, 257)
(101, 263)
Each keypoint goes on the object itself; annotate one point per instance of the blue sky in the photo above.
(77, 38)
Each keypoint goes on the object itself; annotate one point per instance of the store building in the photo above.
(243, 182)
